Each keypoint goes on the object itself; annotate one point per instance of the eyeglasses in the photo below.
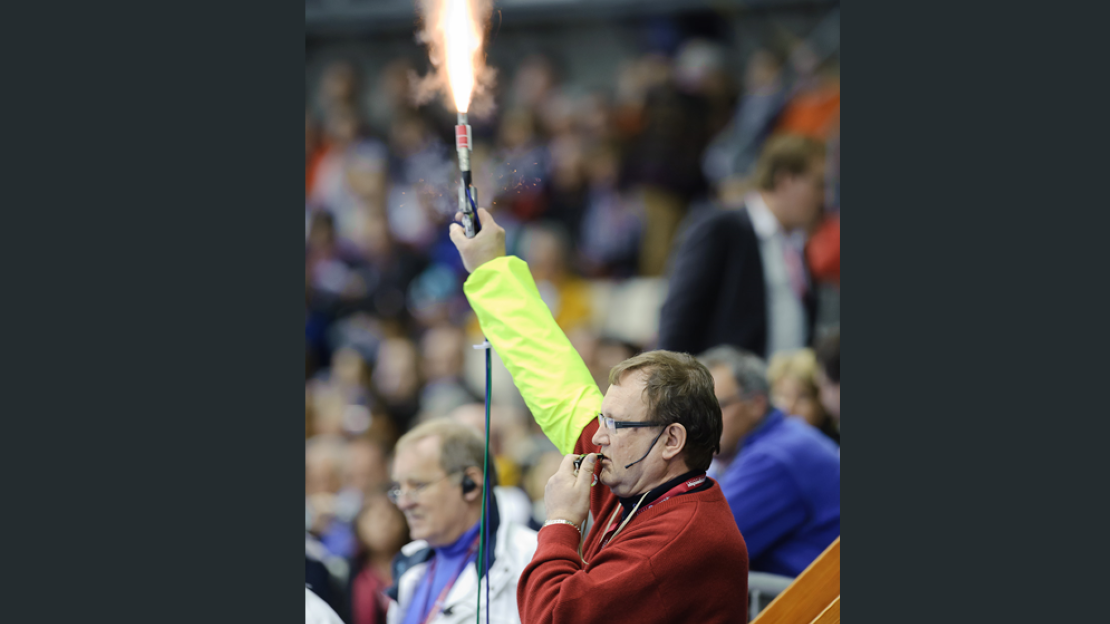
(613, 425)
(396, 492)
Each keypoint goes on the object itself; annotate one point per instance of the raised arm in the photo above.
(551, 376)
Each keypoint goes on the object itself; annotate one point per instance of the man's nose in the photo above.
(600, 439)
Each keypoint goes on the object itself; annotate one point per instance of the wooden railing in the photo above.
(813, 597)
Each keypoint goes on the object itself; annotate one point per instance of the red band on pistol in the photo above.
(462, 137)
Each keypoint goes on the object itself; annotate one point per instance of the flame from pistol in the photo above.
(453, 30)
(462, 42)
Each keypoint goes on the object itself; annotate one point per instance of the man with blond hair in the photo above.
(739, 276)
(437, 475)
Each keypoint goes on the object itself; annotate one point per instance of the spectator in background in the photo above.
(438, 469)
(793, 377)
(734, 151)
(567, 179)
(512, 502)
(739, 278)
(385, 270)
(521, 165)
(382, 532)
(610, 352)
(318, 576)
(700, 69)
(392, 95)
(828, 374)
(442, 355)
(346, 143)
(545, 247)
(781, 477)
(815, 104)
(419, 168)
(613, 222)
(339, 86)
(328, 262)
(368, 463)
(317, 610)
(535, 480)
(330, 510)
(396, 380)
(662, 165)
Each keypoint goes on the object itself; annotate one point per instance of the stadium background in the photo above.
(614, 128)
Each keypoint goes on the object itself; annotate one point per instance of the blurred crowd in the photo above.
(590, 185)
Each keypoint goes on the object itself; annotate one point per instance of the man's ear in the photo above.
(674, 440)
(472, 491)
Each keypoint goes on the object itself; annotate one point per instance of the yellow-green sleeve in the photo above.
(551, 376)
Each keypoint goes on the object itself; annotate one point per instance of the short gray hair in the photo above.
(460, 446)
(748, 369)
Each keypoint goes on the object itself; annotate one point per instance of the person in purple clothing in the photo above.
(781, 476)
(438, 487)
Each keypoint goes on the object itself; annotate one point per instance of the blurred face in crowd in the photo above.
(407, 135)
(627, 402)
(342, 125)
(801, 197)
(396, 376)
(381, 527)
(516, 129)
(338, 83)
(761, 72)
(369, 471)
(432, 501)
(602, 166)
(321, 235)
(347, 367)
(739, 415)
(545, 255)
(442, 351)
(796, 397)
(328, 408)
(322, 474)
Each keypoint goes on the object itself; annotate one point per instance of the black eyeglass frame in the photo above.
(624, 424)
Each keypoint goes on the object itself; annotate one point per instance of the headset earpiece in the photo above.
(468, 484)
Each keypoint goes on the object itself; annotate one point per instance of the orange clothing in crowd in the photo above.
(811, 113)
(312, 168)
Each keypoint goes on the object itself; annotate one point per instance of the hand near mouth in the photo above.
(567, 495)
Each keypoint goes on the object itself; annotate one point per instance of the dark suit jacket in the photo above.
(716, 293)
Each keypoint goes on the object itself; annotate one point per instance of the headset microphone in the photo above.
(648, 451)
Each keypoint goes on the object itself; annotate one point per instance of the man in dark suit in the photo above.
(739, 276)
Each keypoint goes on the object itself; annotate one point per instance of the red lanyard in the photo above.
(681, 488)
(438, 606)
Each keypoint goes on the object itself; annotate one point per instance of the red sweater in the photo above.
(681, 560)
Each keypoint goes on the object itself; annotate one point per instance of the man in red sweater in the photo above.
(662, 545)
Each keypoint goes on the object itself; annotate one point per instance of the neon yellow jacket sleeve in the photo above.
(551, 376)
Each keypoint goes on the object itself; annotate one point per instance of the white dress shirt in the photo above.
(786, 315)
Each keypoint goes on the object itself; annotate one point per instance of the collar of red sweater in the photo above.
(690, 479)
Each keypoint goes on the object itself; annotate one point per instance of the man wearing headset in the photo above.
(437, 475)
(663, 546)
